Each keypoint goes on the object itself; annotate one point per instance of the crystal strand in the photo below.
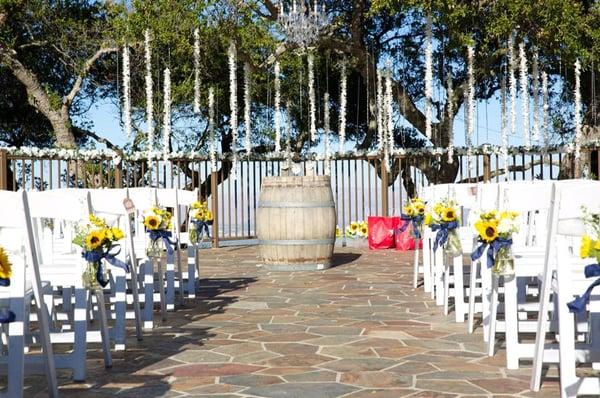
(525, 92)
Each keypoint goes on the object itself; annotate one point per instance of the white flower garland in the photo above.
(512, 85)
(577, 110)
(126, 92)
(380, 112)
(504, 125)
(247, 107)
(545, 110)
(211, 129)
(470, 101)
(326, 125)
(428, 77)
(117, 157)
(311, 97)
(525, 92)
(389, 110)
(233, 119)
(149, 94)
(196, 71)
(535, 84)
(167, 113)
(450, 116)
(277, 105)
(288, 133)
(343, 102)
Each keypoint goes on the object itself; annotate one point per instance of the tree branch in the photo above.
(68, 100)
(83, 132)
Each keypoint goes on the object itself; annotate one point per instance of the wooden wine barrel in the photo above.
(295, 223)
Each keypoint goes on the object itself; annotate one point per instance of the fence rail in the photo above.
(362, 185)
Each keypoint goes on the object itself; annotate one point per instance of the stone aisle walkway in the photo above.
(356, 330)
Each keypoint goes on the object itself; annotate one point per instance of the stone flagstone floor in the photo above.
(356, 330)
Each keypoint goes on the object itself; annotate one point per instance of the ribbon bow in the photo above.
(578, 305)
(415, 220)
(110, 255)
(201, 228)
(495, 246)
(6, 315)
(442, 233)
(165, 235)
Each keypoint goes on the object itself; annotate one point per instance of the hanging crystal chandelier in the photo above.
(301, 23)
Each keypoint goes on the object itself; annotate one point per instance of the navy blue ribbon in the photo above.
(495, 246)
(415, 221)
(4, 282)
(156, 234)
(441, 237)
(202, 227)
(578, 305)
(6, 315)
(110, 255)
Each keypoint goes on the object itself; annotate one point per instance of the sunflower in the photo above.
(200, 214)
(152, 222)
(353, 226)
(420, 208)
(94, 239)
(448, 214)
(364, 230)
(208, 215)
(5, 265)
(409, 211)
(488, 230)
(586, 246)
(428, 219)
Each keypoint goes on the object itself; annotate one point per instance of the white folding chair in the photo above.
(16, 237)
(108, 204)
(64, 270)
(563, 278)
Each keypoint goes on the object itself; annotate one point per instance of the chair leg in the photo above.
(439, 277)
(170, 273)
(47, 350)
(566, 348)
(426, 266)
(446, 288)
(486, 292)
(472, 296)
(493, 315)
(104, 329)
(80, 330)
(512, 322)
(191, 282)
(459, 292)
(542, 327)
(136, 303)
(148, 293)
(16, 347)
(120, 295)
(179, 271)
(416, 265)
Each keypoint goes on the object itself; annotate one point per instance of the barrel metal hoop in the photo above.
(295, 242)
(306, 205)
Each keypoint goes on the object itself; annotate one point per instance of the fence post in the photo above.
(3, 169)
(119, 175)
(384, 188)
(214, 185)
(487, 173)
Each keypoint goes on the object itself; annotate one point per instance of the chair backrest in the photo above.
(66, 205)
(108, 201)
(144, 198)
(570, 198)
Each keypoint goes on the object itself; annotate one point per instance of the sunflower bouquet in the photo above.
(158, 223)
(444, 220)
(357, 229)
(495, 229)
(590, 248)
(98, 241)
(413, 213)
(200, 217)
(6, 315)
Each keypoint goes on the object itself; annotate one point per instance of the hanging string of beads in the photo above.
(535, 86)
(149, 94)
(233, 119)
(196, 71)
(167, 113)
(523, 80)
(545, 111)
(380, 112)
(326, 127)
(470, 103)
(512, 85)
(211, 130)
(343, 102)
(577, 115)
(311, 97)
(389, 115)
(504, 125)
(450, 116)
(428, 77)
(126, 92)
(247, 107)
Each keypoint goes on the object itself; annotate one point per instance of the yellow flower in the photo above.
(364, 230)
(94, 239)
(353, 226)
(117, 233)
(152, 222)
(97, 221)
(586, 246)
(409, 211)
(420, 208)
(5, 265)
(438, 208)
(196, 205)
(511, 215)
(428, 219)
(200, 214)
(208, 215)
(338, 233)
(448, 214)
(488, 230)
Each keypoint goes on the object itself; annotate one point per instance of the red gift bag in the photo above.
(404, 239)
(382, 231)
